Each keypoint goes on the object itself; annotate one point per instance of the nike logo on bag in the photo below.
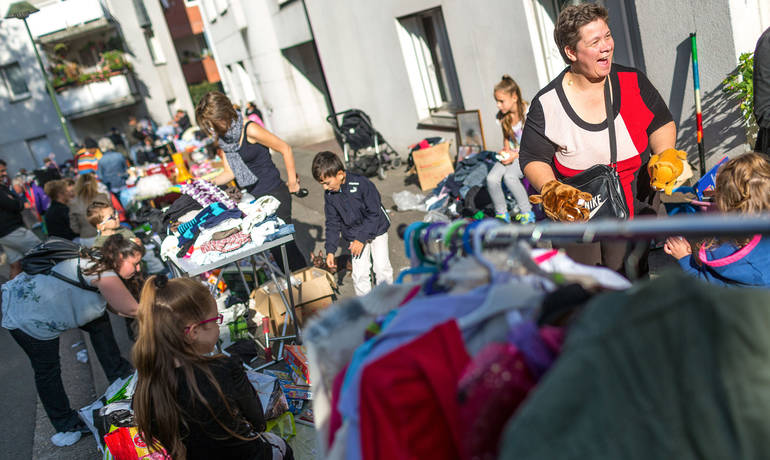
(597, 205)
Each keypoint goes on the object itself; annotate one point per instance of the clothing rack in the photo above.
(431, 236)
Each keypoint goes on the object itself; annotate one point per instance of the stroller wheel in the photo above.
(396, 162)
(381, 172)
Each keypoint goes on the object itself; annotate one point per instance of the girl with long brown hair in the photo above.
(742, 187)
(511, 112)
(194, 404)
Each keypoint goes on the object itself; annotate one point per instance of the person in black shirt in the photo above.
(762, 92)
(14, 237)
(248, 161)
(193, 405)
(57, 216)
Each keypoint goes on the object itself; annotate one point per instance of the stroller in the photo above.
(366, 152)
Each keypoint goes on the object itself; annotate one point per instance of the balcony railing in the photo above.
(67, 15)
(98, 96)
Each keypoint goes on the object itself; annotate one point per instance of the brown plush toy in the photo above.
(669, 169)
(563, 202)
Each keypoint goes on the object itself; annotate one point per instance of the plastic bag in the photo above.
(263, 384)
(407, 201)
(436, 216)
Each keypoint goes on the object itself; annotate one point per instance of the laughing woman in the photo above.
(566, 128)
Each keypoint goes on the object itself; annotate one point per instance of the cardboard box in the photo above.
(433, 165)
(316, 292)
(293, 391)
(296, 359)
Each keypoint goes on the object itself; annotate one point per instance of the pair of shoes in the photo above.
(526, 218)
(504, 217)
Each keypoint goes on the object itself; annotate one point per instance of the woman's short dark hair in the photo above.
(569, 22)
(326, 164)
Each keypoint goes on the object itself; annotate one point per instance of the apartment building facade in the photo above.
(412, 64)
(107, 59)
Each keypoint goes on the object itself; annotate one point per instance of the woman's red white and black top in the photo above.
(556, 135)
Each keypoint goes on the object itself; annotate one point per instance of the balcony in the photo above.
(183, 20)
(197, 71)
(67, 20)
(99, 96)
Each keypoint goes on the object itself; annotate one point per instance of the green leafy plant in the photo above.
(198, 91)
(60, 49)
(114, 60)
(740, 83)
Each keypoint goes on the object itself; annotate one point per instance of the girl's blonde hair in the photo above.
(86, 188)
(215, 113)
(161, 348)
(508, 85)
(743, 185)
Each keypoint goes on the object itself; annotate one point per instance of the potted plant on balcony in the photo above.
(114, 61)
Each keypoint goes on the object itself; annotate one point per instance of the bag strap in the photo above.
(81, 283)
(610, 123)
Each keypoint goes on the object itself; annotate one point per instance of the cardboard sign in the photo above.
(433, 165)
(315, 293)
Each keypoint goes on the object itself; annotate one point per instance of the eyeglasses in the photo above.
(217, 318)
(113, 216)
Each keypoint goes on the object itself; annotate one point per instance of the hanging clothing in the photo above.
(671, 368)
(409, 405)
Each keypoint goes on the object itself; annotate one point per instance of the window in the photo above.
(14, 81)
(429, 63)
(40, 148)
(221, 6)
(154, 46)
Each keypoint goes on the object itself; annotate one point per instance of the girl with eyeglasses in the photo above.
(194, 404)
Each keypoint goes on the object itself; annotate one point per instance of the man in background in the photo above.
(15, 238)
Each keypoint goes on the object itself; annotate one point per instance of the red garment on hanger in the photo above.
(409, 407)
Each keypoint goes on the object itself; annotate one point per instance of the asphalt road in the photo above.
(18, 400)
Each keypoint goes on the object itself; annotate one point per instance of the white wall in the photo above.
(162, 86)
(665, 26)
(365, 68)
(294, 109)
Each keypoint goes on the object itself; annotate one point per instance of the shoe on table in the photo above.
(526, 218)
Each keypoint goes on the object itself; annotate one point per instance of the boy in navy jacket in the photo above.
(353, 208)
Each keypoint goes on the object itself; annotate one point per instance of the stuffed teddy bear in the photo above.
(563, 202)
(668, 170)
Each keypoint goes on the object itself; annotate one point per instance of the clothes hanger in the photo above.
(415, 254)
(504, 295)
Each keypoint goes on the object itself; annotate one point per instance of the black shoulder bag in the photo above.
(603, 181)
